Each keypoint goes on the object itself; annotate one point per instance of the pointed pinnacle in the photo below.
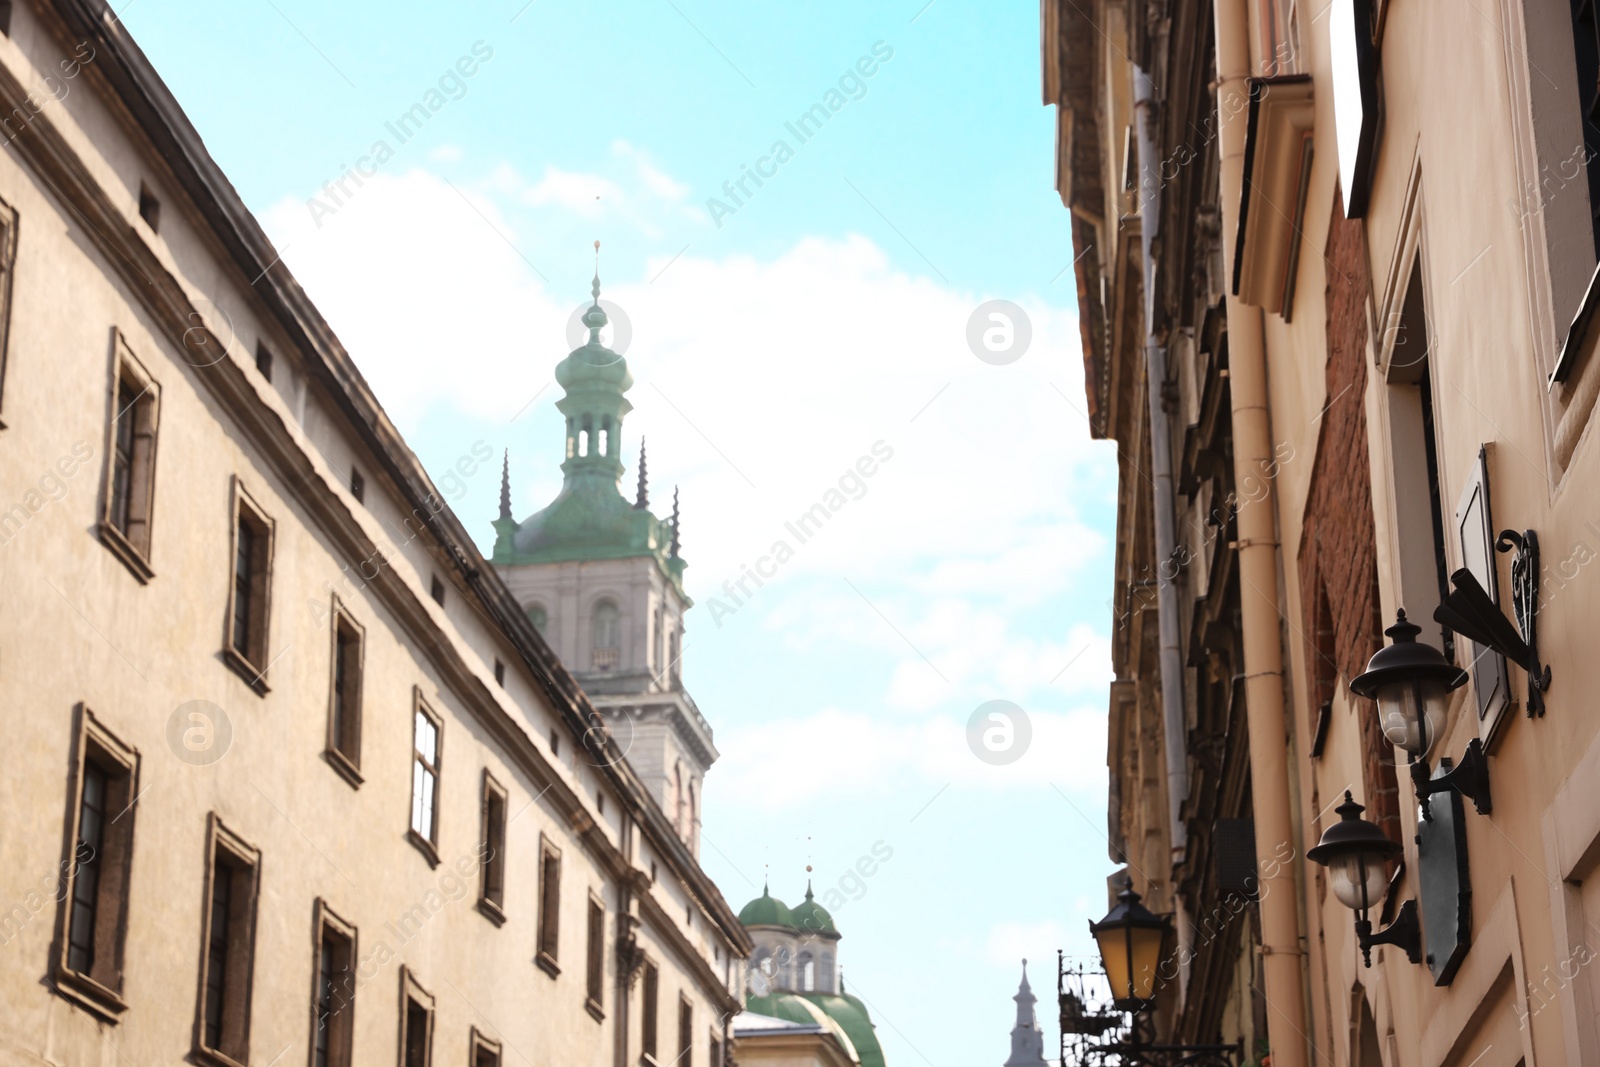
(643, 499)
(672, 551)
(505, 486)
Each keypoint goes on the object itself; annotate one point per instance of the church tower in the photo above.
(602, 579)
(1027, 1040)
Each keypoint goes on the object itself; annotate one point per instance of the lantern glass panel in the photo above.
(1412, 714)
(1358, 879)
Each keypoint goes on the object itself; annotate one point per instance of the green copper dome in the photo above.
(852, 1016)
(766, 910)
(811, 916)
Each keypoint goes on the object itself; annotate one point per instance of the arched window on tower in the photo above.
(538, 616)
(572, 440)
(825, 977)
(673, 667)
(658, 643)
(605, 436)
(677, 799)
(606, 636)
(808, 973)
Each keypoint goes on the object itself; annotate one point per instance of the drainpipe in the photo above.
(1281, 963)
(1174, 719)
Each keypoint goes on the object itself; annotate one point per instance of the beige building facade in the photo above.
(1366, 232)
(294, 778)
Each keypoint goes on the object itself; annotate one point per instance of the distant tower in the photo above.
(600, 578)
(1027, 1040)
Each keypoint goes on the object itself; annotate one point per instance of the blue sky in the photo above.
(826, 315)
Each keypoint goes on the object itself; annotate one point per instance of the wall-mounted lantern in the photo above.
(1356, 852)
(1411, 682)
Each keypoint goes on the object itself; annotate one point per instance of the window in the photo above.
(555, 742)
(597, 958)
(5, 17)
(549, 906)
(416, 1015)
(264, 360)
(249, 592)
(130, 461)
(605, 636)
(228, 932)
(8, 251)
(499, 673)
(333, 991)
(358, 485)
(425, 780)
(492, 850)
(344, 701)
(485, 1052)
(1586, 49)
(1420, 522)
(538, 616)
(808, 973)
(658, 643)
(647, 1017)
(672, 662)
(715, 1058)
(95, 900)
(149, 208)
(685, 1033)
(436, 590)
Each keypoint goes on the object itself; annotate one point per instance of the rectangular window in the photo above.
(1420, 522)
(436, 590)
(358, 485)
(149, 208)
(647, 1016)
(416, 1022)
(685, 1033)
(130, 461)
(485, 1052)
(249, 592)
(492, 850)
(95, 901)
(264, 360)
(597, 958)
(715, 1058)
(333, 991)
(228, 932)
(549, 906)
(8, 257)
(344, 701)
(425, 780)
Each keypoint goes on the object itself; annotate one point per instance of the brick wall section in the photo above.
(1338, 548)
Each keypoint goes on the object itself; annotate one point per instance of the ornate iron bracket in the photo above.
(1469, 611)
(1470, 778)
(1404, 933)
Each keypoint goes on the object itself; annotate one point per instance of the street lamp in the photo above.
(1130, 938)
(1356, 853)
(1411, 683)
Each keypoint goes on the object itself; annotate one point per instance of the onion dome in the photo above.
(811, 916)
(766, 910)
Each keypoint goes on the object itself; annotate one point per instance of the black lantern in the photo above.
(1411, 682)
(1130, 950)
(1356, 853)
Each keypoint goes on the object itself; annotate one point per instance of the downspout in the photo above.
(626, 927)
(1277, 893)
(1174, 719)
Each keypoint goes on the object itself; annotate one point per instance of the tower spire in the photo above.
(595, 317)
(642, 501)
(672, 551)
(505, 486)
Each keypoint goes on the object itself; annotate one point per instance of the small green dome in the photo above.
(766, 910)
(811, 916)
(593, 366)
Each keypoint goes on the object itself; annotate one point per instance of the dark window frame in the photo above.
(346, 683)
(128, 483)
(328, 926)
(98, 987)
(595, 963)
(492, 849)
(649, 1012)
(8, 265)
(149, 207)
(484, 1050)
(548, 928)
(685, 1032)
(427, 844)
(227, 850)
(264, 360)
(246, 653)
(415, 1001)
